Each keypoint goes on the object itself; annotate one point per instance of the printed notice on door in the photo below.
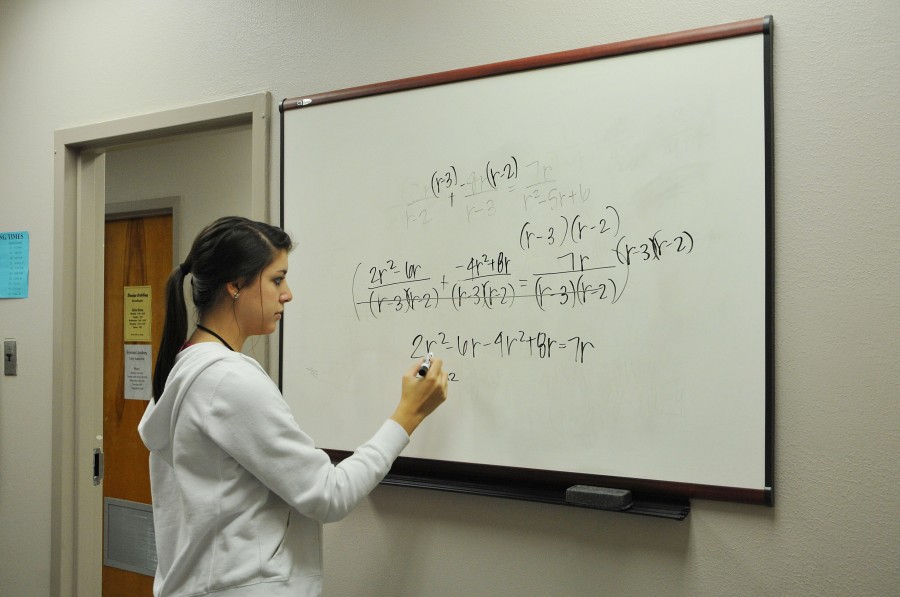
(138, 313)
(138, 378)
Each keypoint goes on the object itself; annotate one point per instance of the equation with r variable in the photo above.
(551, 248)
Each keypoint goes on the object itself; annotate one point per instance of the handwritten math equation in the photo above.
(564, 250)
(536, 344)
(494, 281)
(484, 190)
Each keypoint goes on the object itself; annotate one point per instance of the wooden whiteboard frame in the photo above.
(653, 497)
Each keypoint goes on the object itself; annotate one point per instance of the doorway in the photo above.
(137, 262)
(80, 166)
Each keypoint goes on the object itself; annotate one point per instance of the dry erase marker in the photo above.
(423, 368)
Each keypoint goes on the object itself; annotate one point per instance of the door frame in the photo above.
(79, 207)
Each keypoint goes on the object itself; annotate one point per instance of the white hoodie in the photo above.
(239, 491)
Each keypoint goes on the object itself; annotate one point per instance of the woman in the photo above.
(239, 491)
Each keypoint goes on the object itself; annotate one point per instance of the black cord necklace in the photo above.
(218, 337)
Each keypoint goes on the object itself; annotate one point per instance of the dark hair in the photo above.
(231, 249)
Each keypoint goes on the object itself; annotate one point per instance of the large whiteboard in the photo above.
(584, 245)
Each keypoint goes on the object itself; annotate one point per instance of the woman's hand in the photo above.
(420, 395)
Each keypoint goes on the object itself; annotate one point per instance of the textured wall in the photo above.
(837, 120)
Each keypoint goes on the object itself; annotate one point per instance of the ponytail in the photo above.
(174, 329)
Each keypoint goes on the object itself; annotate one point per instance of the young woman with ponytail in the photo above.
(239, 490)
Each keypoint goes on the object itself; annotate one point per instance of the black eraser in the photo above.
(604, 498)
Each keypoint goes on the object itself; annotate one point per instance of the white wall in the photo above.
(209, 172)
(834, 529)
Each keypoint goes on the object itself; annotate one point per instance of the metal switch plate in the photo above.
(9, 357)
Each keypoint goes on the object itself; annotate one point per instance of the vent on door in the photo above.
(129, 541)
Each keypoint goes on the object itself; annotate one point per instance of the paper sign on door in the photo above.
(138, 377)
(138, 313)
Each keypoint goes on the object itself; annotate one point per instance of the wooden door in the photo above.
(138, 253)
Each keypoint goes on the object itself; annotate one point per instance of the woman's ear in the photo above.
(233, 289)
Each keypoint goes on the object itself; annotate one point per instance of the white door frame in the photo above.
(79, 208)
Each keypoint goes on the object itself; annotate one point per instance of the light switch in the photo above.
(9, 357)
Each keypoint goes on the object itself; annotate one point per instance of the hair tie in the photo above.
(185, 268)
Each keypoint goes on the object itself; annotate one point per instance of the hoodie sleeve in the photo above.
(248, 418)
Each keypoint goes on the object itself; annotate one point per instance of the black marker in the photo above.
(423, 368)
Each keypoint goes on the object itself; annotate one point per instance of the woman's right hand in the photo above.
(420, 395)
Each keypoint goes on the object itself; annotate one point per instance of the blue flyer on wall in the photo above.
(14, 264)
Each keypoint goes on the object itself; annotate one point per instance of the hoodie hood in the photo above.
(157, 426)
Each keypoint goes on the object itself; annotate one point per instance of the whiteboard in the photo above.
(584, 245)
